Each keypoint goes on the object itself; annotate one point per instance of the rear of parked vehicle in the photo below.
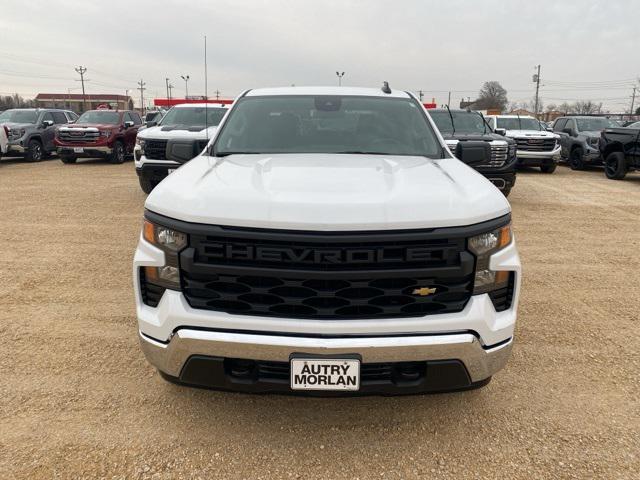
(620, 148)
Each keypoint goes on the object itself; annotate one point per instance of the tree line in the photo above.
(15, 101)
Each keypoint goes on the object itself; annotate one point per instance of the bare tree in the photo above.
(15, 101)
(492, 96)
(585, 107)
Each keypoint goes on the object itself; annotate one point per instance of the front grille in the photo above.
(155, 149)
(326, 275)
(503, 297)
(536, 144)
(369, 372)
(499, 155)
(79, 136)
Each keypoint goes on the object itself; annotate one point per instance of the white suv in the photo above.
(536, 147)
(327, 241)
(183, 133)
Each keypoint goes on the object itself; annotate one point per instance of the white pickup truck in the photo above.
(181, 134)
(327, 242)
(535, 147)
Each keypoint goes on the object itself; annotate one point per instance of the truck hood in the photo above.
(487, 137)
(178, 131)
(531, 133)
(99, 126)
(327, 192)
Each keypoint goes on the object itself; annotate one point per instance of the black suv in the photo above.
(465, 126)
(30, 131)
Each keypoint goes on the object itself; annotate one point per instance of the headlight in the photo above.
(594, 140)
(483, 246)
(105, 133)
(140, 142)
(171, 242)
(512, 150)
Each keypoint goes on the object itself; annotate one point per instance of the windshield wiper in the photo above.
(451, 117)
(226, 154)
(364, 152)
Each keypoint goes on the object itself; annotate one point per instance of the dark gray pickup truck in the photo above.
(620, 148)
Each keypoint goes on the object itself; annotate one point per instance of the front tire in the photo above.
(506, 191)
(68, 158)
(548, 168)
(615, 166)
(34, 151)
(146, 184)
(575, 159)
(117, 155)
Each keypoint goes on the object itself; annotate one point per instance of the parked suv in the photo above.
(327, 241)
(182, 134)
(99, 133)
(579, 139)
(30, 131)
(536, 147)
(466, 126)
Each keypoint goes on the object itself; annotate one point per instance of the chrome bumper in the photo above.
(480, 362)
(529, 154)
(86, 149)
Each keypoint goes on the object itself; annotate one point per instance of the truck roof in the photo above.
(510, 116)
(201, 105)
(339, 91)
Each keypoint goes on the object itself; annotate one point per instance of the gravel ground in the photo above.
(79, 400)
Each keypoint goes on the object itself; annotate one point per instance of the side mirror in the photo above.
(151, 123)
(501, 131)
(549, 129)
(128, 124)
(569, 131)
(47, 123)
(473, 153)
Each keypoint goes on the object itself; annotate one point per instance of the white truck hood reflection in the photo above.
(327, 192)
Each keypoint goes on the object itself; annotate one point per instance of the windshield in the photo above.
(100, 116)
(515, 123)
(194, 116)
(19, 116)
(465, 122)
(594, 124)
(328, 124)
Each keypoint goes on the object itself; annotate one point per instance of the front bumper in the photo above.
(537, 159)
(205, 358)
(503, 181)
(87, 150)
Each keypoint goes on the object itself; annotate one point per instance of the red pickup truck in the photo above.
(99, 133)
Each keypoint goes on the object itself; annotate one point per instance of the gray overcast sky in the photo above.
(434, 46)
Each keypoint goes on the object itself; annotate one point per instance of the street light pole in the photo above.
(186, 85)
(340, 75)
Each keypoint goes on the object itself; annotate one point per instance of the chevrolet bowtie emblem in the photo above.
(424, 291)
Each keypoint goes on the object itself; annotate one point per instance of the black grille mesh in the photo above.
(155, 149)
(503, 297)
(151, 293)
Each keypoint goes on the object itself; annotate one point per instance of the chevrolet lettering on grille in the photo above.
(318, 255)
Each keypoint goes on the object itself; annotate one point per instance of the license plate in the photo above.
(78, 150)
(325, 374)
(170, 170)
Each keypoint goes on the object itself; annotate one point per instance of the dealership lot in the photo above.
(79, 400)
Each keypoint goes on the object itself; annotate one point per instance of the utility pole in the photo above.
(170, 86)
(166, 81)
(536, 79)
(217, 92)
(633, 100)
(421, 94)
(142, 89)
(340, 75)
(186, 85)
(82, 70)
(449, 100)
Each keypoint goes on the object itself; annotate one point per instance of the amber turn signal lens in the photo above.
(505, 237)
(502, 276)
(151, 273)
(148, 231)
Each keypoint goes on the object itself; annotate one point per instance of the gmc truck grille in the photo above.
(536, 144)
(78, 136)
(155, 149)
(499, 156)
(326, 275)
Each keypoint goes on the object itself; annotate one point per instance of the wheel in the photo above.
(34, 151)
(146, 184)
(68, 158)
(506, 191)
(117, 155)
(548, 168)
(615, 166)
(575, 159)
